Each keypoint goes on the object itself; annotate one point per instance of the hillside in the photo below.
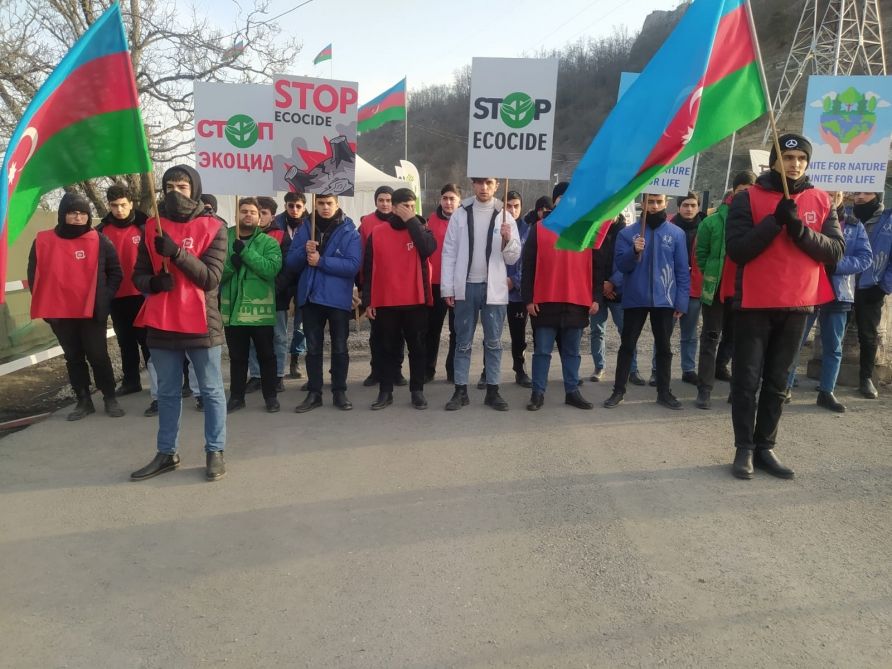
(587, 84)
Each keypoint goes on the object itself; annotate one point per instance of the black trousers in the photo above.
(316, 316)
(436, 315)
(766, 344)
(715, 341)
(868, 313)
(662, 321)
(238, 340)
(83, 340)
(373, 347)
(131, 340)
(517, 327)
(396, 325)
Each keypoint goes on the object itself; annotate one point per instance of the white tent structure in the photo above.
(368, 178)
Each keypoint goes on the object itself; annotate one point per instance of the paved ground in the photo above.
(402, 538)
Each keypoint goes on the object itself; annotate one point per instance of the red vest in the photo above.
(182, 309)
(276, 233)
(368, 223)
(397, 279)
(729, 278)
(783, 275)
(561, 276)
(66, 276)
(126, 242)
(438, 227)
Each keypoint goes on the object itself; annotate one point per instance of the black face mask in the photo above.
(655, 220)
(178, 207)
(863, 212)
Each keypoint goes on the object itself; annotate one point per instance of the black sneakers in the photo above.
(614, 400)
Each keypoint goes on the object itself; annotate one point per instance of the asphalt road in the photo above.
(402, 538)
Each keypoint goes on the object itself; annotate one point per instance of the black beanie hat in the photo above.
(74, 202)
(401, 195)
(559, 189)
(386, 190)
(210, 200)
(791, 140)
(544, 202)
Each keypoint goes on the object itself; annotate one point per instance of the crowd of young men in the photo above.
(761, 269)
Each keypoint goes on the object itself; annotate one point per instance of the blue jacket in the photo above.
(330, 283)
(514, 270)
(880, 235)
(663, 277)
(858, 257)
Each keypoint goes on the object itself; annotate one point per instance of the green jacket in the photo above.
(248, 296)
(710, 251)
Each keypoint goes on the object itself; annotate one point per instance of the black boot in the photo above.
(767, 461)
(419, 401)
(459, 399)
(668, 400)
(272, 405)
(162, 462)
(370, 380)
(128, 388)
(828, 401)
(575, 399)
(494, 400)
(312, 401)
(385, 399)
(867, 389)
(214, 467)
(743, 463)
(280, 384)
(234, 404)
(536, 401)
(614, 400)
(703, 399)
(522, 379)
(339, 399)
(112, 408)
(84, 405)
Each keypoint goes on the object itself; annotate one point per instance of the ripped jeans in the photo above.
(466, 314)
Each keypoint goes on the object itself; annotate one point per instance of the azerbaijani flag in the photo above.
(84, 122)
(323, 55)
(387, 107)
(701, 86)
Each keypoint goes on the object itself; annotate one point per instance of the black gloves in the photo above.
(236, 261)
(238, 246)
(787, 214)
(166, 247)
(161, 283)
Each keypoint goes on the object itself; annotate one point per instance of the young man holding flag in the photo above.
(179, 272)
(780, 246)
(289, 221)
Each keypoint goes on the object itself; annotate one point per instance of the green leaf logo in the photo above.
(241, 131)
(517, 110)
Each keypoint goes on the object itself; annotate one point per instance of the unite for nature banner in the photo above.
(314, 123)
(511, 129)
(234, 137)
(849, 123)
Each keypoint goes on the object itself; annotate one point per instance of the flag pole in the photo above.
(505, 203)
(764, 81)
(730, 158)
(158, 229)
(313, 219)
(643, 220)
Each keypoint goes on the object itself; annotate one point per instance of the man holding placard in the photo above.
(481, 241)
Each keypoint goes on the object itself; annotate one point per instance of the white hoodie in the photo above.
(456, 252)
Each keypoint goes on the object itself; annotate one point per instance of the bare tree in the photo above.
(170, 48)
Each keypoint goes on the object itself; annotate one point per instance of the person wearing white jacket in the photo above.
(480, 242)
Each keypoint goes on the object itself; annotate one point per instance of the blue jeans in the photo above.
(298, 341)
(833, 329)
(598, 324)
(169, 367)
(689, 339)
(543, 345)
(280, 342)
(493, 317)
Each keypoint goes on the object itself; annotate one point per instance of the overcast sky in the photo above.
(378, 42)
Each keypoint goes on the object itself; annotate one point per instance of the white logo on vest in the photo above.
(80, 255)
(187, 243)
(135, 239)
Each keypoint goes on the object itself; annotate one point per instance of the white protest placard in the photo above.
(315, 124)
(234, 138)
(674, 181)
(511, 130)
(759, 160)
(849, 123)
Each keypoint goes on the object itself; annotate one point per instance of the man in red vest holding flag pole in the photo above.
(780, 246)
(179, 272)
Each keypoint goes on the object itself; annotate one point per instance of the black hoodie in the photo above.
(110, 275)
(204, 272)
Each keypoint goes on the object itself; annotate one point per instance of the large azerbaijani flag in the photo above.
(84, 122)
(701, 86)
(387, 107)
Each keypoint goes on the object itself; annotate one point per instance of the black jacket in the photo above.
(604, 258)
(746, 239)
